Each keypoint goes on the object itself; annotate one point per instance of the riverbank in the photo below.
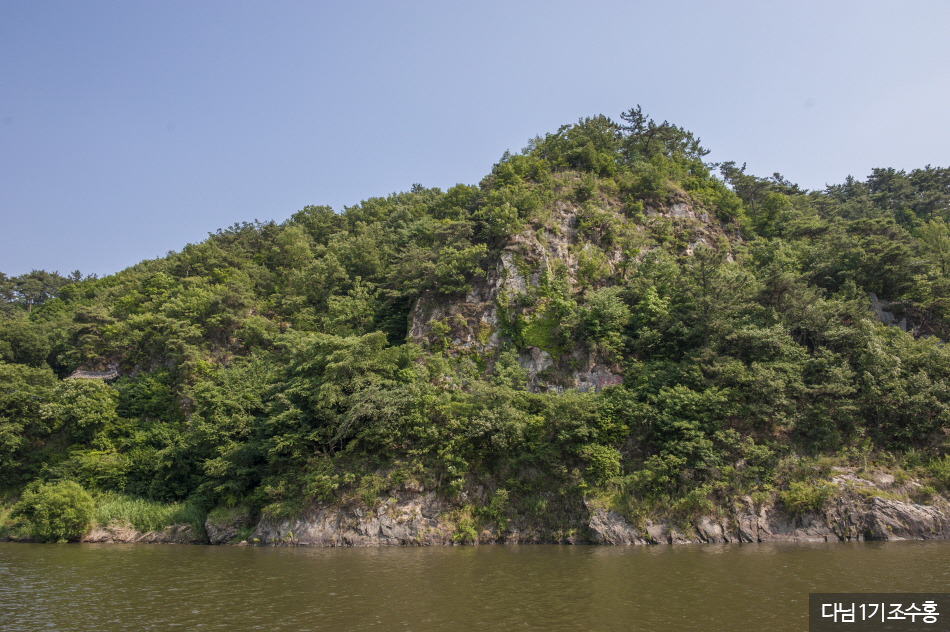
(857, 508)
(853, 505)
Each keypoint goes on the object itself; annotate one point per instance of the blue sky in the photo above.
(128, 129)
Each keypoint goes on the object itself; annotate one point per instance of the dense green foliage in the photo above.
(58, 511)
(270, 365)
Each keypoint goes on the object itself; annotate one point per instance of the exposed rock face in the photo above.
(474, 325)
(116, 532)
(850, 517)
(111, 372)
(421, 520)
(880, 307)
(894, 520)
(225, 529)
(609, 527)
(404, 519)
(416, 517)
(410, 516)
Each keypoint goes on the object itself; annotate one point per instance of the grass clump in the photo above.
(802, 497)
(12, 527)
(147, 515)
(465, 526)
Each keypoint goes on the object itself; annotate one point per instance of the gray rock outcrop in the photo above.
(405, 518)
(474, 325)
(226, 529)
(117, 533)
(849, 517)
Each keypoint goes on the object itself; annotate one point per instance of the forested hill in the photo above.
(604, 315)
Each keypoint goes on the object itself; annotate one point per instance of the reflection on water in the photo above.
(713, 587)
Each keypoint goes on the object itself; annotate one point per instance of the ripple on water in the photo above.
(168, 587)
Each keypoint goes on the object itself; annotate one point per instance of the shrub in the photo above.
(603, 463)
(940, 468)
(592, 266)
(508, 371)
(695, 502)
(94, 469)
(57, 512)
(465, 527)
(497, 508)
(11, 527)
(604, 319)
(801, 498)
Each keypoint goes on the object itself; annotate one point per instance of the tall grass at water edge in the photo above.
(147, 515)
(11, 527)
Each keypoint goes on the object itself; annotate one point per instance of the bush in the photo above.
(94, 469)
(11, 527)
(940, 468)
(801, 498)
(57, 512)
(695, 502)
(603, 463)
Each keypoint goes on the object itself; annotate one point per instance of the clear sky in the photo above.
(128, 129)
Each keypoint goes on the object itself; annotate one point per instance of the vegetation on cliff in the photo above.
(331, 358)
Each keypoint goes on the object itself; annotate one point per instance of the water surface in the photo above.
(541, 587)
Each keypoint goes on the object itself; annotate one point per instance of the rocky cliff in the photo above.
(405, 518)
(847, 518)
(571, 240)
(860, 509)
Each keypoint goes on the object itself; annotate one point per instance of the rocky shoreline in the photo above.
(862, 508)
(123, 533)
(847, 519)
(415, 521)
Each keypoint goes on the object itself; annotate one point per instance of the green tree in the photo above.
(23, 341)
(644, 138)
(773, 213)
(935, 236)
(85, 410)
(715, 286)
(589, 145)
(320, 222)
(892, 190)
(351, 314)
(38, 286)
(604, 319)
(23, 426)
(750, 189)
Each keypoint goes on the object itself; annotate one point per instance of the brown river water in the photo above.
(535, 587)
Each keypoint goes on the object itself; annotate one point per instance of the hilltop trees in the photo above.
(30, 290)
(644, 138)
